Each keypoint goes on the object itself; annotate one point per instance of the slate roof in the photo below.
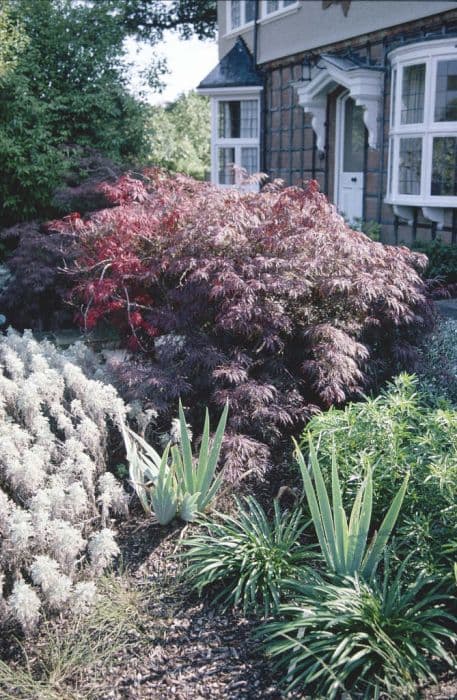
(349, 61)
(235, 69)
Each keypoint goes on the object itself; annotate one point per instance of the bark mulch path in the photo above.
(178, 647)
(196, 653)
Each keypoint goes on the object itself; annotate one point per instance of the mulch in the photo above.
(197, 652)
(184, 649)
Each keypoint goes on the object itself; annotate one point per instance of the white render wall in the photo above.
(310, 26)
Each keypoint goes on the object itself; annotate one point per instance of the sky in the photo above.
(188, 62)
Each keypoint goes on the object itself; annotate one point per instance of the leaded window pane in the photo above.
(250, 159)
(393, 96)
(446, 92)
(272, 6)
(391, 164)
(412, 94)
(444, 166)
(229, 119)
(226, 161)
(249, 11)
(354, 138)
(249, 119)
(409, 172)
(235, 13)
(238, 119)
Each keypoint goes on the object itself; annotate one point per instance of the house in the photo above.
(360, 95)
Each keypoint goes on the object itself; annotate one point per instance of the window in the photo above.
(235, 138)
(423, 125)
(238, 119)
(277, 5)
(240, 13)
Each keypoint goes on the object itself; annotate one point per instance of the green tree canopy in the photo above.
(13, 40)
(179, 135)
(63, 87)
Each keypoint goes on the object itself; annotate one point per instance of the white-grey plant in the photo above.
(83, 597)
(56, 586)
(56, 498)
(112, 498)
(102, 550)
(25, 605)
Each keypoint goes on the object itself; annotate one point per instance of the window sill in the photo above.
(238, 30)
(272, 16)
(413, 200)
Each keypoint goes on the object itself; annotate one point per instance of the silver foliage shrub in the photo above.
(56, 497)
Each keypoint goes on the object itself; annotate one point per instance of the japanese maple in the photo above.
(268, 300)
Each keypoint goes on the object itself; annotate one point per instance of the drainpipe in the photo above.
(382, 144)
(256, 18)
(263, 98)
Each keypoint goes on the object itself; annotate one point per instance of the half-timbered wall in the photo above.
(289, 144)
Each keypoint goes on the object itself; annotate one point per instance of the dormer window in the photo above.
(423, 126)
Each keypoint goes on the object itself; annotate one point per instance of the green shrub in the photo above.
(360, 638)
(442, 260)
(401, 431)
(344, 544)
(248, 556)
(437, 366)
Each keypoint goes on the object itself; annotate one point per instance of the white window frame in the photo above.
(263, 18)
(225, 95)
(428, 53)
(243, 24)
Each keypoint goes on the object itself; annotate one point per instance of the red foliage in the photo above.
(267, 299)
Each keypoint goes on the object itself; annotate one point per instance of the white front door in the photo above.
(349, 161)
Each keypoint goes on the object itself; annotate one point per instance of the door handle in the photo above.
(353, 179)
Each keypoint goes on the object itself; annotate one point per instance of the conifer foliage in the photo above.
(267, 300)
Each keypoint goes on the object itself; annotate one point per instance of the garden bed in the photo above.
(276, 323)
(171, 645)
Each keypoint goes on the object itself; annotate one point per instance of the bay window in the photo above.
(235, 142)
(422, 168)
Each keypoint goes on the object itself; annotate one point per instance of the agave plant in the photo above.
(247, 558)
(364, 639)
(344, 544)
(175, 484)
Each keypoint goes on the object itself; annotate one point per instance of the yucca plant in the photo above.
(246, 558)
(176, 484)
(344, 544)
(360, 638)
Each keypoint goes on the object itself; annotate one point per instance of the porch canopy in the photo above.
(363, 81)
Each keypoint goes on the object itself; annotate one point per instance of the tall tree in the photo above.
(66, 88)
(12, 40)
(148, 19)
(179, 135)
